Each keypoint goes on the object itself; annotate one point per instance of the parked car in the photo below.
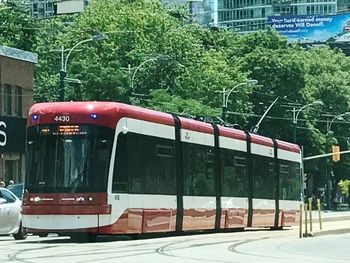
(10, 215)
(17, 189)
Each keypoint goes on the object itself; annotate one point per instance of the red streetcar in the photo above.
(111, 168)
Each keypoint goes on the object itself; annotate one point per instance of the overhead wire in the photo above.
(89, 30)
(319, 121)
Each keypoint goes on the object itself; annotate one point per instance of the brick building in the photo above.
(16, 82)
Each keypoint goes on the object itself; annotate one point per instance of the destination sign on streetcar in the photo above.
(63, 130)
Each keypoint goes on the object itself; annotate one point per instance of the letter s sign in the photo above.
(3, 137)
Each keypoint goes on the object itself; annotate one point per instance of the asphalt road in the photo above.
(247, 246)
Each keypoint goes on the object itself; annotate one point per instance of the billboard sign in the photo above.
(313, 28)
(69, 7)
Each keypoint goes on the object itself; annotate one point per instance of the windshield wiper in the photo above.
(74, 185)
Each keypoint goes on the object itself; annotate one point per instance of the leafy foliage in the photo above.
(344, 186)
(17, 29)
(157, 58)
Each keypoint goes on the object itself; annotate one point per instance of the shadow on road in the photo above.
(54, 239)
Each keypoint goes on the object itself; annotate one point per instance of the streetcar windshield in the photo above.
(68, 158)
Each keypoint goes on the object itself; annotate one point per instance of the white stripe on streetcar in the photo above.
(197, 137)
(232, 144)
(262, 150)
(289, 156)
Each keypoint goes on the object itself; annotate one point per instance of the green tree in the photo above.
(17, 28)
(281, 73)
(344, 186)
(49, 40)
(185, 60)
(187, 67)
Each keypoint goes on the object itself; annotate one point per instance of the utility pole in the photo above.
(296, 115)
(64, 62)
(224, 108)
(63, 74)
(294, 126)
(226, 94)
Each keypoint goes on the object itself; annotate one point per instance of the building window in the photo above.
(11, 170)
(11, 100)
(6, 100)
(18, 101)
(35, 8)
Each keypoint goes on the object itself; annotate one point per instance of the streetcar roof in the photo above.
(258, 139)
(288, 146)
(109, 113)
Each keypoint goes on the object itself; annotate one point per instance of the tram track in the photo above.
(14, 256)
(102, 249)
(234, 249)
(180, 250)
(109, 253)
(166, 251)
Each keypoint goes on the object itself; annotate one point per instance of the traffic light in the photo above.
(336, 154)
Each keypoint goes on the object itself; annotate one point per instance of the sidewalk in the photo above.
(333, 222)
(332, 215)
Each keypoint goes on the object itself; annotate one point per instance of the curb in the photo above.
(330, 219)
(333, 225)
(331, 232)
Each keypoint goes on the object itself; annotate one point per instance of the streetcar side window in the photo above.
(198, 163)
(120, 176)
(165, 169)
(144, 164)
(143, 178)
(264, 177)
(289, 180)
(234, 179)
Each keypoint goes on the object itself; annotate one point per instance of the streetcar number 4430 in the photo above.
(62, 118)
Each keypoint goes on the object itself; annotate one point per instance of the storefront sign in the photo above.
(12, 134)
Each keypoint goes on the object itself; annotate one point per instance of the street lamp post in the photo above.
(296, 115)
(138, 67)
(154, 58)
(338, 117)
(64, 61)
(226, 94)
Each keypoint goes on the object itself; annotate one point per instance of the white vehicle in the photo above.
(10, 215)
